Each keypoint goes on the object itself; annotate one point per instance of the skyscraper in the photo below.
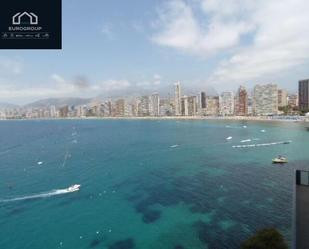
(143, 106)
(154, 104)
(184, 106)
(303, 94)
(226, 103)
(192, 105)
(203, 100)
(120, 108)
(265, 99)
(282, 98)
(177, 99)
(241, 101)
(212, 103)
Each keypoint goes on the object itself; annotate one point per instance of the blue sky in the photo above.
(120, 47)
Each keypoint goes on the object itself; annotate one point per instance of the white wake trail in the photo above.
(37, 196)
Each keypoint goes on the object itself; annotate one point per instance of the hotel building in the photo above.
(265, 100)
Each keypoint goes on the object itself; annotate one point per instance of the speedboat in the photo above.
(73, 188)
(280, 159)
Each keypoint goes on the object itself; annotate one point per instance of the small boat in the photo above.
(280, 159)
(73, 188)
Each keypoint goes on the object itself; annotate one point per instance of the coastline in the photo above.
(232, 118)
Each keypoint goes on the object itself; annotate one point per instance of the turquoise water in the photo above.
(145, 184)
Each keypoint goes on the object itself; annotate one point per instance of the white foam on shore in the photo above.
(38, 196)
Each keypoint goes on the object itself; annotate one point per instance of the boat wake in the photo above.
(260, 145)
(42, 195)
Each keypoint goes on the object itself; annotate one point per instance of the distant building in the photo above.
(120, 108)
(192, 105)
(265, 99)
(212, 105)
(184, 106)
(241, 102)
(53, 111)
(226, 103)
(282, 98)
(293, 100)
(303, 94)
(166, 107)
(154, 105)
(63, 111)
(143, 106)
(177, 99)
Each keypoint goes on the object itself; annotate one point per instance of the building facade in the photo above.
(241, 102)
(282, 98)
(265, 100)
(226, 103)
(212, 106)
(177, 99)
(154, 105)
(303, 94)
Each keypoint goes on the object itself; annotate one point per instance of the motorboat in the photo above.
(280, 159)
(73, 188)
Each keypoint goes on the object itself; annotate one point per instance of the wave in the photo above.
(245, 140)
(38, 196)
(259, 145)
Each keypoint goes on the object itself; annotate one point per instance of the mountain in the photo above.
(58, 102)
(4, 105)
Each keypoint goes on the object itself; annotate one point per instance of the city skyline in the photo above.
(115, 51)
(264, 100)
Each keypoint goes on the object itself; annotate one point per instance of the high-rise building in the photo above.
(53, 111)
(63, 111)
(154, 105)
(282, 98)
(241, 102)
(143, 106)
(184, 106)
(177, 99)
(192, 105)
(293, 100)
(303, 94)
(120, 108)
(212, 105)
(265, 99)
(203, 100)
(226, 103)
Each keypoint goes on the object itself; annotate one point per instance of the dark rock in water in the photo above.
(151, 216)
(179, 247)
(123, 244)
(94, 243)
(16, 211)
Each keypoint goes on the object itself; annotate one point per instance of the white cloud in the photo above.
(179, 28)
(262, 38)
(279, 44)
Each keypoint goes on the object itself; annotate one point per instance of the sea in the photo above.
(153, 184)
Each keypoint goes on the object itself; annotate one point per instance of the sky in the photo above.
(116, 47)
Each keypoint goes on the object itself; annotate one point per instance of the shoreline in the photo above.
(231, 118)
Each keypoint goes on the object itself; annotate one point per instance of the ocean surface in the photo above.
(153, 184)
